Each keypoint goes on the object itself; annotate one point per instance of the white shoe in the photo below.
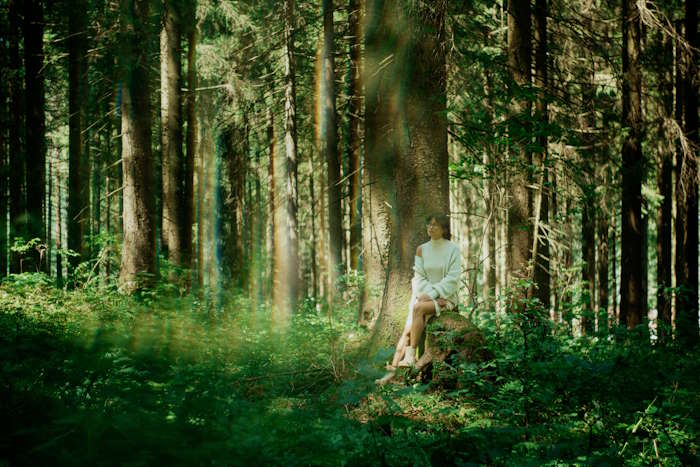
(409, 358)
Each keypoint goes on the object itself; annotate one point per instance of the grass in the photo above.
(91, 377)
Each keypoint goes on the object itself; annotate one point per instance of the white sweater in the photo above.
(436, 272)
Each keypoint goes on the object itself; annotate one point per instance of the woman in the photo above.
(437, 269)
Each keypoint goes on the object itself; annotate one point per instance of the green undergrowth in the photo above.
(92, 377)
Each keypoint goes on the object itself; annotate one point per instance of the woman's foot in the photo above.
(386, 378)
(409, 358)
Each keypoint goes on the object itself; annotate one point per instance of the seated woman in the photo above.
(437, 269)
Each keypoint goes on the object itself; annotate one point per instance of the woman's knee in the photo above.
(423, 308)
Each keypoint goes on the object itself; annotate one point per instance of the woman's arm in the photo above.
(420, 283)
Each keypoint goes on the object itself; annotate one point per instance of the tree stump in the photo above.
(451, 333)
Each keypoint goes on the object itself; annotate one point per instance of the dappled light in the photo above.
(349, 232)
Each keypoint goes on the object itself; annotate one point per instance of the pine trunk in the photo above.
(417, 141)
(588, 216)
(190, 143)
(314, 241)
(603, 259)
(631, 287)
(664, 183)
(272, 227)
(138, 263)
(289, 267)
(354, 129)
(329, 150)
(171, 133)
(35, 127)
(4, 149)
(379, 161)
(17, 161)
(588, 224)
(687, 194)
(541, 274)
(78, 207)
(519, 210)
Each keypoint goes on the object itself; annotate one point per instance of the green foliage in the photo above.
(94, 376)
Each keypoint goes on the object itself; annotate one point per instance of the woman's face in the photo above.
(434, 229)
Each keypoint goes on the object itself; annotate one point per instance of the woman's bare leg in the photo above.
(421, 314)
(401, 346)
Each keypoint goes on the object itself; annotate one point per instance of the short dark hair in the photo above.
(444, 221)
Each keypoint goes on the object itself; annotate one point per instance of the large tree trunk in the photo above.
(190, 141)
(631, 288)
(379, 160)
(354, 129)
(289, 266)
(415, 126)
(78, 188)
(17, 161)
(329, 149)
(138, 263)
(519, 64)
(171, 133)
(664, 183)
(687, 194)
(541, 273)
(35, 126)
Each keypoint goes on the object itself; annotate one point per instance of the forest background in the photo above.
(209, 212)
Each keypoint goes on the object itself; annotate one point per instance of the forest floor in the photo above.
(91, 377)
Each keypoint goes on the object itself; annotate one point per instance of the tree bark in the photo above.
(239, 173)
(664, 183)
(354, 130)
(35, 127)
(519, 64)
(329, 150)
(413, 127)
(190, 141)
(78, 189)
(631, 279)
(588, 216)
(588, 222)
(289, 267)
(314, 241)
(687, 194)
(4, 160)
(603, 259)
(615, 309)
(171, 133)
(541, 273)
(138, 262)
(232, 202)
(18, 204)
(380, 157)
(272, 233)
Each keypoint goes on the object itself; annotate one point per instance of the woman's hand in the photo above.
(442, 302)
(424, 298)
